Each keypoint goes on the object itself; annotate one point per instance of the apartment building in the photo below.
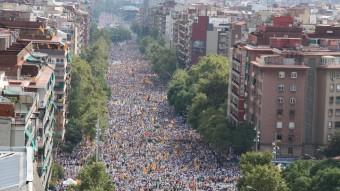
(158, 16)
(27, 107)
(197, 30)
(49, 17)
(37, 41)
(285, 85)
(58, 56)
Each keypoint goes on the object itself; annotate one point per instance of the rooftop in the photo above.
(14, 166)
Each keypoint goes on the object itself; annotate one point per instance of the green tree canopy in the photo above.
(93, 177)
(327, 179)
(243, 137)
(89, 93)
(263, 178)
(200, 94)
(120, 34)
(252, 159)
(208, 78)
(297, 175)
(213, 126)
(179, 94)
(163, 60)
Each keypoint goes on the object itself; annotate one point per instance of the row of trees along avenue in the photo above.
(88, 102)
(198, 93)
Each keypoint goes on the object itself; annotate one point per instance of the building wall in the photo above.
(199, 38)
(270, 112)
(212, 42)
(5, 130)
(310, 113)
(322, 106)
(328, 106)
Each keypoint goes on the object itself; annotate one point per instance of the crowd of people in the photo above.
(148, 147)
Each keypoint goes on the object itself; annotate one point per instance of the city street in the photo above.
(146, 146)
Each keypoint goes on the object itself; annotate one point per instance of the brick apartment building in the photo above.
(284, 83)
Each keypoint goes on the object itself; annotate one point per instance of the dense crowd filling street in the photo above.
(148, 147)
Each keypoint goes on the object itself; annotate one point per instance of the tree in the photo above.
(179, 94)
(329, 163)
(163, 60)
(211, 74)
(120, 34)
(166, 64)
(327, 179)
(252, 159)
(73, 135)
(89, 94)
(298, 176)
(313, 175)
(208, 77)
(333, 149)
(213, 126)
(57, 174)
(144, 31)
(200, 93)
(199, 104)
(263, 178)
(94, 177)
(144, 44)
(243, 137)
(302, 183)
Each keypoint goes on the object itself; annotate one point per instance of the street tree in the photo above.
(243, 137)
(298, 175)
(93, 177)
(327, 179)
(251, 159)
(263, 178)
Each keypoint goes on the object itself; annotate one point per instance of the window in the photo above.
(337, 124)
(280, 100)
(292, 100)
(329, 137)
(293, 75)
(281, 87)
(331, 100)
(291, 125)
(279, 125)
(331, 87)
(337, 112)
(280, 112)
(292, 88)
(338, 87)
(337, 100)
(282, 74)
(330, 124)
(279, 137)
(291, 138)
(292, 113)
(330, 113)
(290, 150)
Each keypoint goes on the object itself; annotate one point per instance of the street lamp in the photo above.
(257, 138)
